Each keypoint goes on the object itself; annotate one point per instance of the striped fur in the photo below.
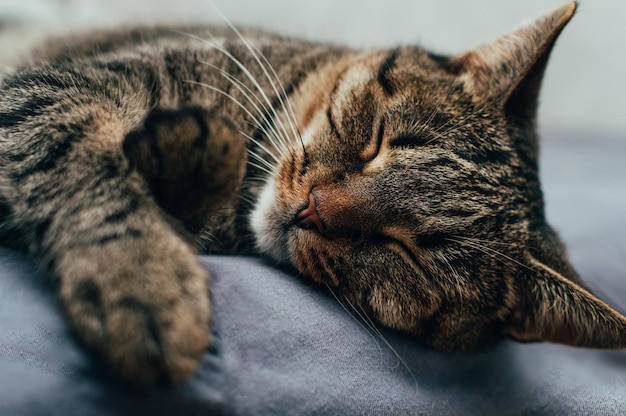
(404, 181)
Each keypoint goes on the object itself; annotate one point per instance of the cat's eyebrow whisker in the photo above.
(443, 99)
(488, 250)
(459, 121)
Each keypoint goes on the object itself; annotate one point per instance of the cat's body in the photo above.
(405, 181)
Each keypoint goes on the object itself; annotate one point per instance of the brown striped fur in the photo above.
(404, 181)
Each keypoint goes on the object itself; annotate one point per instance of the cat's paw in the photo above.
(143, 306)
(192, 159)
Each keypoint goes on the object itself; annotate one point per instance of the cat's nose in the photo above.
(308, 217)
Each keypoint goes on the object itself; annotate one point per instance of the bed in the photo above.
(284, 347)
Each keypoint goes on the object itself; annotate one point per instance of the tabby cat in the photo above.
(403, 180)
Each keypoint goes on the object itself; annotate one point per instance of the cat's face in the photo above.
(403, 176)
(414, 194)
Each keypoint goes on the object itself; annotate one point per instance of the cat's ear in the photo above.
(555, 309)
(509, 70)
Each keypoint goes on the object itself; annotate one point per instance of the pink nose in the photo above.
(308, 218)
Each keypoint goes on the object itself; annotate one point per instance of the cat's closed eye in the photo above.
(409, 140)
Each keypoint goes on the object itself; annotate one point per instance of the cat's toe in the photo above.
(146, 347)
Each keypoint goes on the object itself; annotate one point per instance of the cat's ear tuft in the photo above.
(509, 69)
(555, 309)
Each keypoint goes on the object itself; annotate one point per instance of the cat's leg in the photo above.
(132, 288)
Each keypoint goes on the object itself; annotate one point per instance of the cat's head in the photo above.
(414, 195)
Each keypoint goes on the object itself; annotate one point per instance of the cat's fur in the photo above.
(405, 181)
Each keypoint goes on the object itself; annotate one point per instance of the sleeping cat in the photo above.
(405, 181)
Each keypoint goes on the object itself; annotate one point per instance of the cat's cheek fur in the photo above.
(264, 222)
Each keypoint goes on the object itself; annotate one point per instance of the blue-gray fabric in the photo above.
(283, 347)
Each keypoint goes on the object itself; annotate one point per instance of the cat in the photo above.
(403, 180)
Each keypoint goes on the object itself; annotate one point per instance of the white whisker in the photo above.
(489, 251)
(289, 111)
(248, 93)
(501, 243)
(380, 335)
(250, 77)
(355, 319)
(262, 160)
(247, 199)
(253, 50)
(237, 102)
(457, 278)
(261, 167)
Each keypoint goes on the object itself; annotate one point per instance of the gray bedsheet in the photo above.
(285, 348)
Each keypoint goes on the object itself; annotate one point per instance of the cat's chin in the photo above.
(266, 225)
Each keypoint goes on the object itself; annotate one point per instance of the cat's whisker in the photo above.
(262, 110)
(247, 199)
(203, 240)
(359, 322)
(262, 160)
(289, 111)
(457, 278)
(501, 243)
(261, 146)
(255, 179)
(265, 170)
(363, 315)
(237, 102)
(227, 95)
(274, 114)
(444, 130)
(261, 167)
(253, 50)
(215, 45)
(442, 100)
(489, 251)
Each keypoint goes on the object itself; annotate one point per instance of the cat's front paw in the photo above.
(143, 307)
(192, 159)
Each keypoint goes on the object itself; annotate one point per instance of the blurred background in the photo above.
(583, 91)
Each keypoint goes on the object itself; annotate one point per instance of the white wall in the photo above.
(585, 83)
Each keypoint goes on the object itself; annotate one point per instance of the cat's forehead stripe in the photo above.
(354, 79)
(383, 72)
